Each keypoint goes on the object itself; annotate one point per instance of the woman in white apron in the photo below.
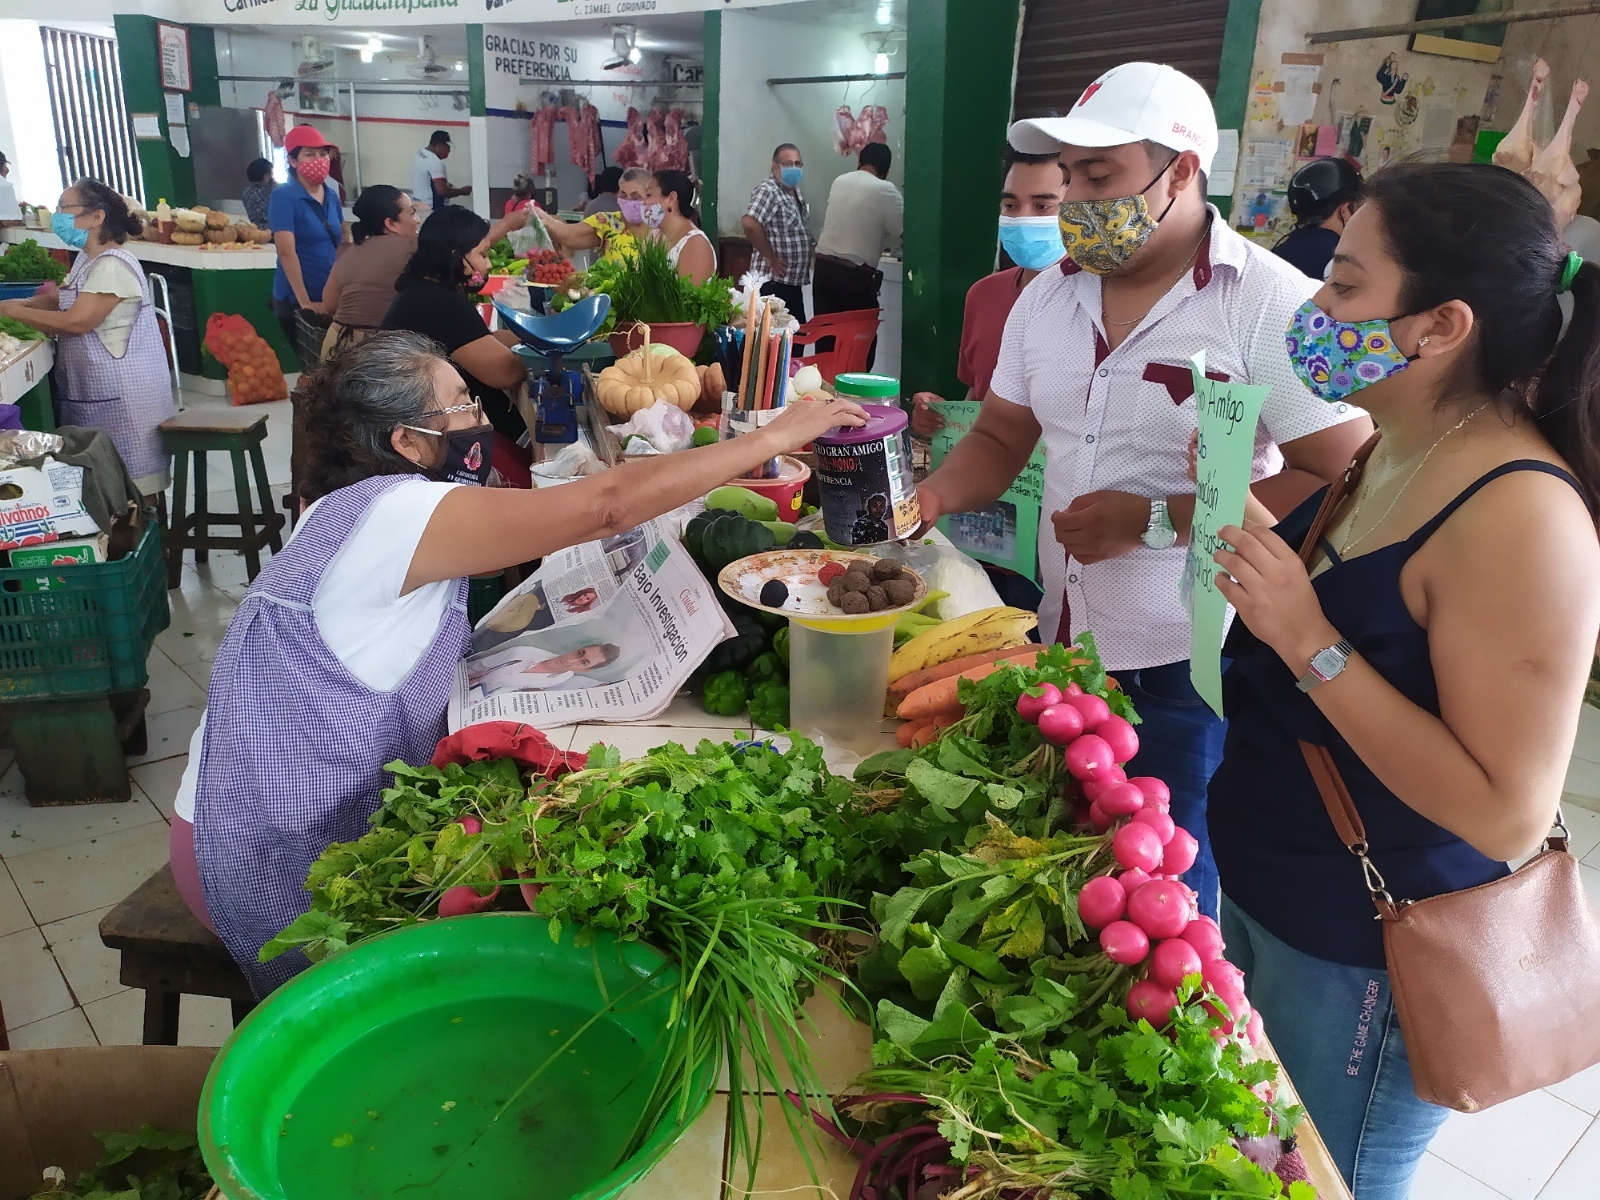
(111, 363)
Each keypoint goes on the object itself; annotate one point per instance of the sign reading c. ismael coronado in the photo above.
(367, 13)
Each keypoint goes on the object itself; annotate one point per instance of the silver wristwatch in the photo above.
(1159, 534)
(1325, 664)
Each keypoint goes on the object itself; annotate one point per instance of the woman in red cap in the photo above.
(307, 224)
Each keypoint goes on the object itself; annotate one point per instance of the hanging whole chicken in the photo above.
(1549, 168)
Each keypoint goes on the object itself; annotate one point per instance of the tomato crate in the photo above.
(89, 632)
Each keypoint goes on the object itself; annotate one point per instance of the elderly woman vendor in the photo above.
(111, 366)
(343, 653)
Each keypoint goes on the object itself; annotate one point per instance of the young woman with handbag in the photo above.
(1408, 667)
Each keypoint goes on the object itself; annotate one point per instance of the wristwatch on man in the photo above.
(1325, 664)
(1159, 534)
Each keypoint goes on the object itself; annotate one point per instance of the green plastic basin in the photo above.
(381, 1072)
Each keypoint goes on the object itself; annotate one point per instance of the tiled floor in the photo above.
(61, 869)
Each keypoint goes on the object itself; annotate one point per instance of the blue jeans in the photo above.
(1180, 743)
(1337, 1034)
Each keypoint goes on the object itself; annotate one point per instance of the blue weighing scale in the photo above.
(556, 393)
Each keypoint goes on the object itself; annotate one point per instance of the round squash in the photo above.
(641, 378)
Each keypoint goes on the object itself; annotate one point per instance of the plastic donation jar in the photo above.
(864, 475)
(837, 681)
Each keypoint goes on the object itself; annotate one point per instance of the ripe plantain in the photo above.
(976, 633)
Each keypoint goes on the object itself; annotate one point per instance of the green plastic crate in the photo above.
(89, 635)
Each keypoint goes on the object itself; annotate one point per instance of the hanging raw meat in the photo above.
(272, 117)
(543, 152)
(877, 122)
(1517, 148)
(583, 138)
(655, 156)
(632, 151)
(861, 129)
(1553, 171)
(675, 150)
(843, 120)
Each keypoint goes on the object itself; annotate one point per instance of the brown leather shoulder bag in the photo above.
(1497, 987)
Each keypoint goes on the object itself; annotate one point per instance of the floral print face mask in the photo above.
(1336, 359)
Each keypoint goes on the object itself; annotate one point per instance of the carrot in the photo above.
(910, 682)
(928, 730)
(909, 730)
(942, 695)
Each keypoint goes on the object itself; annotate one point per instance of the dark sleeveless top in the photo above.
(1276, 850)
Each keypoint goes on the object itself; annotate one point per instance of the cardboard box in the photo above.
(68, 552)
(53, 1102)
(43, 504)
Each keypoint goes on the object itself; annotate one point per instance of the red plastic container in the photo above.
(784, 491)
(680, 335)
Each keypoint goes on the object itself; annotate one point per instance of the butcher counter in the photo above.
(202, 280)
(695, 1169)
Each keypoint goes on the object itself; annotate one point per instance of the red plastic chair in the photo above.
(852, 334)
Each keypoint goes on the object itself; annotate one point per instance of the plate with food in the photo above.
(825, 589)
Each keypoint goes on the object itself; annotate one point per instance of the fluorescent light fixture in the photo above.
(880, 64)
(373, 46)
(461, 66)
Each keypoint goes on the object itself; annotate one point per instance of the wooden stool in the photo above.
(170, 954)
(233, 431)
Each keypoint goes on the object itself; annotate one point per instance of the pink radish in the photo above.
(1136, 846)
(1237, 1018)
(1123, 740)
(530, 893)
(1069, 690)
(1255, 1032)
(1101, 902)
(1124, 942)
(1088, 757)
(459, 901)
(1092, 708)
(1159, 908)
(1226, 980)
(1121, 800)
(1132, 881)
(1173, 961)
(1180, 853)
(1099, 819)
(1155, 792)
(1159, 821)
(1205, 936)
(1094, 787)
(1035, 700)
(1060, 724)
(1151, 1001)
(470, 824)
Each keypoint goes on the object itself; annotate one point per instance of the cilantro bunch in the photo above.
(149, 1164)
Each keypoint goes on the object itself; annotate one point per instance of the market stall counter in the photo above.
(203, 280)
(25, 382)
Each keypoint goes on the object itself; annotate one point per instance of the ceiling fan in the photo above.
(624, 48)
(426, 64)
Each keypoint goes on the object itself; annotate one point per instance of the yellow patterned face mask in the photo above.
(1102, 235)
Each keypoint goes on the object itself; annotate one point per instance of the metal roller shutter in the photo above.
(1068, 44)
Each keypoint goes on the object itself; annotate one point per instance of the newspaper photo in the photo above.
(606, 631)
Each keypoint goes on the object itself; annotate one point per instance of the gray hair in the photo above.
(636, 175)
(355, 400)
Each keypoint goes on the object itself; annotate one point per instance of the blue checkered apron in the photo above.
(295, 744)
(128, 397)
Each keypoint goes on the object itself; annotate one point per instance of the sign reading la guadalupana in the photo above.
(361, 11)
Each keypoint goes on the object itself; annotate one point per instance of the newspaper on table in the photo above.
(606, 631)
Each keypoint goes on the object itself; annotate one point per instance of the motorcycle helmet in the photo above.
(1320, 187)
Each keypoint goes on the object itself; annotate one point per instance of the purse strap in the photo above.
(1331, 787)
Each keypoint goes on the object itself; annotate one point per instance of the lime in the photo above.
(706, 435)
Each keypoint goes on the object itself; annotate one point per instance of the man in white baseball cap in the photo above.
(1095, 360)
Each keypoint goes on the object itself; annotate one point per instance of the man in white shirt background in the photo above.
(865, 219)
(1095, 360)
(10, 210)
(429, 184)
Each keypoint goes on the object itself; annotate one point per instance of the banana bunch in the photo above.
(981, 632)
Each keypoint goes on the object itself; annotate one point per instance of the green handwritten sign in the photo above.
(1006, 534)
(1227, 415)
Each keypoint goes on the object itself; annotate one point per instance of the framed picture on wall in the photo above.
(173, 43)
(1481, 43)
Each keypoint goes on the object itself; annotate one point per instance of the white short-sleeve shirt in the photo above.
(1120, 420)
(425, 168)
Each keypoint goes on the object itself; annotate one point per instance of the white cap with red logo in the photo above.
(1134, 102)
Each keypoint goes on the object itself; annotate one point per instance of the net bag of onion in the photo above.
(253, 369)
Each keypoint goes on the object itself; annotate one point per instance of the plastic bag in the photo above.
(253, 369)
(666, 427)
(533, 236)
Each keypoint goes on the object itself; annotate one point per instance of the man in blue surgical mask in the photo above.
(776, 222)
(1030, 234)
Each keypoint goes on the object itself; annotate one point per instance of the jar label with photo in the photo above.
(867, 489)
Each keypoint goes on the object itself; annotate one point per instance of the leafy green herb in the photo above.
(14, 327)
(150, 1164)
(28, 261)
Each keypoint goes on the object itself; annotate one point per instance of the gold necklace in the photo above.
(1192, 254)
(1355, 515)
